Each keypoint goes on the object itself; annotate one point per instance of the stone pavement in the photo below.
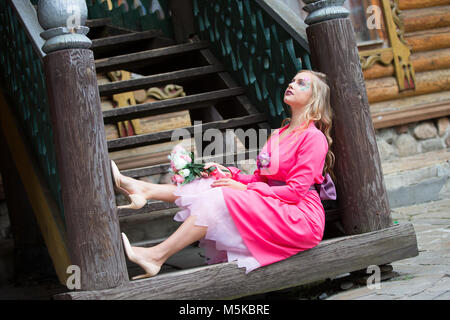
(424, 277)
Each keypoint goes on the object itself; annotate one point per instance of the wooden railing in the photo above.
(140, 18)
(23, 79)
(260, 42)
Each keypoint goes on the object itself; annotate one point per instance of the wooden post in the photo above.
(92, 224)
(361, 190)
(182, 19)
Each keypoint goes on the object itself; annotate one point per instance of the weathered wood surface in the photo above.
(362, 196)
(386, 88)
(171, 105)
(429, 39)
(128, 60)
(86, 187)
(177, 77)
(226, 281)
(416, 4)
(124, 38)
(426, 18)
(421, 61)
(164, 136)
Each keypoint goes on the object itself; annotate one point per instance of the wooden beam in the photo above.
(84, 168)
(417, 4)
(361, 191)
(125, 38)
(429, 39)
(426, 18)
(44, 206)
(177, 77)
(226, 281)
(129, 60)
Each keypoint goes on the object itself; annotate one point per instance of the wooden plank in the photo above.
(170, 105)
(44, 206)
(84, 168)
(176, 77)
(413, 114)
(330, 258)
(128, 60)
(125, 38)
(164, 136)
(95, 23)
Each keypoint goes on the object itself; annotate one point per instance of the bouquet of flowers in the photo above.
(184, 169)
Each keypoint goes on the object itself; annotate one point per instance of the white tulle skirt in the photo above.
(222, 242)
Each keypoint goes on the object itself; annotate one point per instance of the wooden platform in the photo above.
(226, 281)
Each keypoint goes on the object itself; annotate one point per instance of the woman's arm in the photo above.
(246, 178)
(309, 163)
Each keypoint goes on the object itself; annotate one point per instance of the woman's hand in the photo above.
(213, 164)
(228, 182)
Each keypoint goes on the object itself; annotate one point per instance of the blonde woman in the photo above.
(261, 218)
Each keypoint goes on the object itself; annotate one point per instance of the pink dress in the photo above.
(277, 216)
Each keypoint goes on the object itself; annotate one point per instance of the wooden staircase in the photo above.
(427, 32)
(212, 96)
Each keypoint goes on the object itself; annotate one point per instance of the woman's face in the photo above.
(299, 90)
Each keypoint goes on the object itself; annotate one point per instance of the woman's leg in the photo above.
(154, 191)
(185, 235)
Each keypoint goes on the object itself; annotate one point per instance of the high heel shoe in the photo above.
(150, 269)
(137, 200)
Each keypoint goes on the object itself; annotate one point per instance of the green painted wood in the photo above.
(22, 77)
(138, 18)
(255, 48)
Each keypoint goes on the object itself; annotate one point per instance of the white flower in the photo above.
(179, 163)
(184, 173)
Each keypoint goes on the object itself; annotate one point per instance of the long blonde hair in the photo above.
(318, 109)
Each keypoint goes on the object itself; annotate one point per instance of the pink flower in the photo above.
(218, 174)
(186, 158)
(177, 179)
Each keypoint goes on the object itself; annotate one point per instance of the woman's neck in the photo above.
(297, 119)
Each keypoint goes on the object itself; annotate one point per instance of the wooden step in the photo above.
(125, 38)
(429, 39)
(170, 105)
(417, 4)
(148, 56)
(165, 136)
(421, 61)
(218, 281)
(101, 22)
(174, 77)
(427, 18)
(384, 89)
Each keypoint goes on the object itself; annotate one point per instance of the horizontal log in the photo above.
(174, 77)
(125, 38)
(414, 114)
(127, 60)
(329, 259)
(421, 61)
(384, 89)
(429, 39)
(165, 136)
(426, 18)
(417, 4)
(170, 105)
